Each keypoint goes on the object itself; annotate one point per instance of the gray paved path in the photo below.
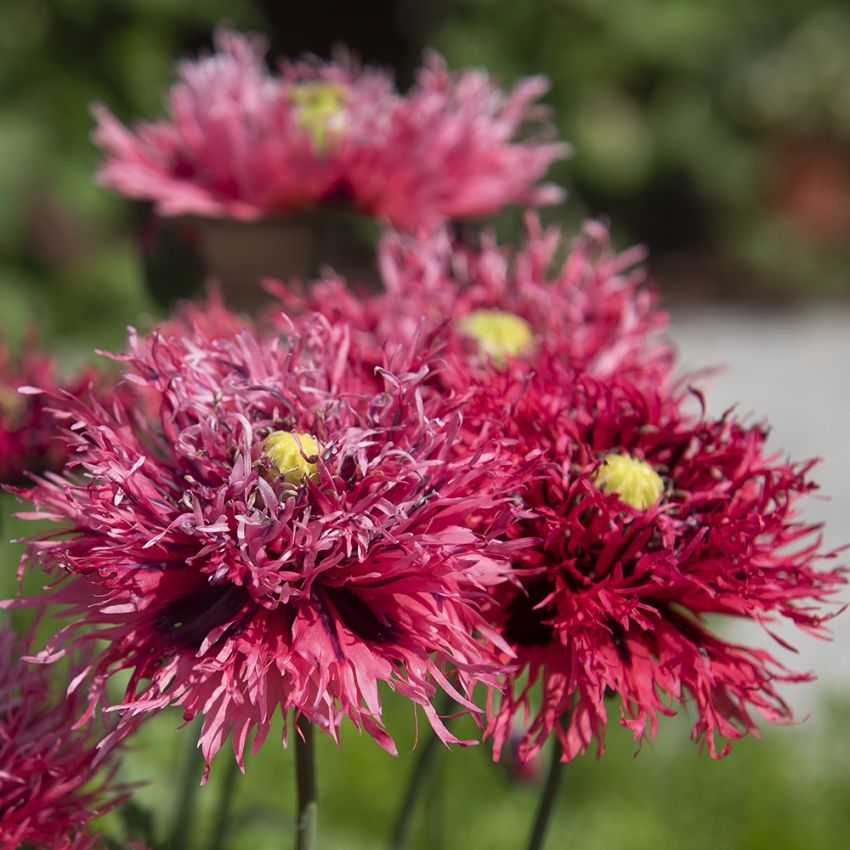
(792, 368)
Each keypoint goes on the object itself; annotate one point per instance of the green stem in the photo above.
(190, 782)
(307, 800)
(547, 799)
(418, 780)
(225, 804)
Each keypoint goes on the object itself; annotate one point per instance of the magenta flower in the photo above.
(275, 538)
(209, 319)
(50, 787)
(83, 841)
(28, 437)
(241, 142)
(649, 519)
(491, 307)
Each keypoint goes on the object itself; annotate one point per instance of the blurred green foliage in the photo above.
(68, 249)
(785, 792)
(718, 133)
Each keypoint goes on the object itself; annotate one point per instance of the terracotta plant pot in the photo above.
(239, 255)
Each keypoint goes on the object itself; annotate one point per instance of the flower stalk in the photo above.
(419, 776)
(418, 781)
(307, 800)
(227, 792)
(547, 799)
(184, 808)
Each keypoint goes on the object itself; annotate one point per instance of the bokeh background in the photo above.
(718, 134)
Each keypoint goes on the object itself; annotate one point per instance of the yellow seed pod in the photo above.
(634, 481)
(320, 112)
(498, 333)
(283, 450)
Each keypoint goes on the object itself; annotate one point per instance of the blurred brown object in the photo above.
(239, 255)
(812, 187)
(386, 32)
(181, 254)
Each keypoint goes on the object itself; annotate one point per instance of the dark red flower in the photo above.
(28, 436)
(651, 520)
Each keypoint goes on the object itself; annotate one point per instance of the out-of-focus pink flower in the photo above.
(242, 142)
(209, 319)
(274, 538)
(650, 519)
(50, 787)
(593, 310)
(85, 841)
(28, 436)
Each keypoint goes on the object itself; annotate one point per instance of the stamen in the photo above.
(321, 112)
(499, 334)
(290, 451)
(634, 481)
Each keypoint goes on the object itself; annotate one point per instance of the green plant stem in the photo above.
(307, 800)
(547, 799)
(225, 804)
(186, 798)
(418, 781)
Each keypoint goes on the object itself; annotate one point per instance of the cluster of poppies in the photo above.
(485, 479)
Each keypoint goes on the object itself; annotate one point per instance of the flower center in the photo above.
(290, 452)
(499, 334)
(320, 112)
(634, 481)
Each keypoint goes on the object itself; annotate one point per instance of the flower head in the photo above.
(242, 142)
(50, 788)
(492, 306)
(650, 518)
(28, 438)
(277, 538)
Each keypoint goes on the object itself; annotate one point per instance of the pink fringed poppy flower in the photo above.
(593, 310)
(50, 788)
(242, 142)
(84, 841)
(28, 436)
(649, 518)
(275, 538)
(209, 319)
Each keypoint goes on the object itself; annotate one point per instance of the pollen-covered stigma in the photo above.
(320, 112)
(289, 452)
(633, 480)
(498, 333)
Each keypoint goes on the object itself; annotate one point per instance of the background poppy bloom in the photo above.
(29, 441)
(579, 301)
(246, 143)
(50, 788)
